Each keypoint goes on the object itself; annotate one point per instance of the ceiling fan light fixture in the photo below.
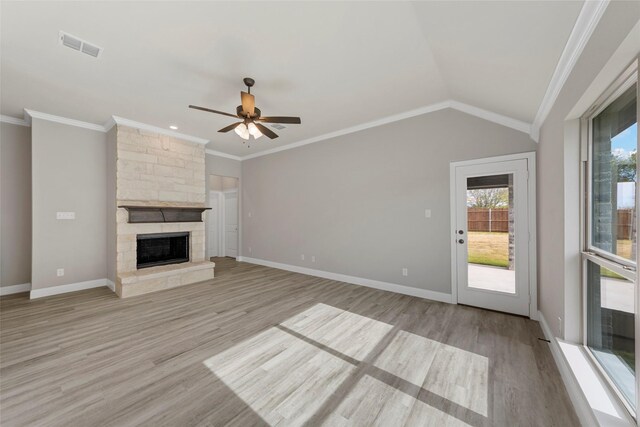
(254, 131)
(242, 131)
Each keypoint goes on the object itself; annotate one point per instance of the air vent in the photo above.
(78, 44)
(278, 126)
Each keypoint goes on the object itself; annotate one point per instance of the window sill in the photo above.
(592, 399)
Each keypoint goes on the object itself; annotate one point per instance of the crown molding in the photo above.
(143, 126)
(63, 120)
(115, 120)
(491, 116)
(14, 121)
(460, 106)
(586, 23)
(352, 129)
(221, 154)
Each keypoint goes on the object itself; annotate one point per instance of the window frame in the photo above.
(622, 266)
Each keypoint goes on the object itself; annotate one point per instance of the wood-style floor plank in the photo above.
(260, 346)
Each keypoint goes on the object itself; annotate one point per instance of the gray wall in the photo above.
(15, 204)
(68, 174)
(357, 202)
(222, 166)
(558, 183)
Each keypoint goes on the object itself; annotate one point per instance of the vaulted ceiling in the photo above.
(336, 65)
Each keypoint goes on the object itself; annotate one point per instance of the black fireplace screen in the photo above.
(162, 248)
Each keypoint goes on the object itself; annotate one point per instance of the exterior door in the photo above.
(491, 238)
(231, 224)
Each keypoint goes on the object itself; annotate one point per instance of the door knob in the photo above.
(461, 241)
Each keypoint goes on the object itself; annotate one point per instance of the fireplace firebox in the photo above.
(162, 249)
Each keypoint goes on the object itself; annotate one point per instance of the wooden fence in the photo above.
(497, 220)
(625, 224)
(485, 219)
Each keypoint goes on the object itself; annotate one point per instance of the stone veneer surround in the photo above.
(158, 170)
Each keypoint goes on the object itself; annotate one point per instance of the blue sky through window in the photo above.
(625, 143)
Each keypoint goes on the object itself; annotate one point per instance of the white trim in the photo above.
(530, 157)
(379, 122)
(221, 154)
(376, 284)
(594, 402)
(63, 120)
(491, 116)
(15, 289)
(143, 126)
(586, 23)
(115, 120)
(462, 107)
(13, 121)
(109, 124)
(71, 287)
(111, 285)
(580, 403)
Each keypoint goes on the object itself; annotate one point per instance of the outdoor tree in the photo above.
(488, 198)
(626, 166)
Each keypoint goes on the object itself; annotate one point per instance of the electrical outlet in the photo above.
(302, 257)
(427, 213)
(249, 214)
(65, 215)
(249, 249)
(560, 327)
(313, 258)
(60, 272)
(405, 272)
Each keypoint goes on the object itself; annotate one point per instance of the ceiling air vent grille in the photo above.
(278, 126)
(80, 45)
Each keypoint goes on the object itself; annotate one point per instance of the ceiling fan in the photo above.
(250, 114)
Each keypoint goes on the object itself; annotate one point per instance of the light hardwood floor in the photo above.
(260, 346)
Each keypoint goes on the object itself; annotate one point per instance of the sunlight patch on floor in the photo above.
(324, 359)
(372, 402)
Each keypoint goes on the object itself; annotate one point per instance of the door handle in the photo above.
(461, 241)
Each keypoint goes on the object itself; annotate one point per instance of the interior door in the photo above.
(213, 235)
(492, 236)
(231, 224)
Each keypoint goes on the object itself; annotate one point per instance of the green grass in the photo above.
(493, 249)
(489, 248)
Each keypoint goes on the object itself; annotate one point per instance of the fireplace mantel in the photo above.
(160, 214)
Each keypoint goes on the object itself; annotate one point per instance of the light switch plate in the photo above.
(65, 215)
(427, 213)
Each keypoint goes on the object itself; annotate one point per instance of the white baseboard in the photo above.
(594, 402)
(71, 287)
(15, 289)
(111, 285)
(376, 284)
(580, 403)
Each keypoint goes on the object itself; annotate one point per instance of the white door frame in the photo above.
(223, 223)
(530, 157)
(218, 195)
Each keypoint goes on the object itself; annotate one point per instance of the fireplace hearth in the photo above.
(162, 249)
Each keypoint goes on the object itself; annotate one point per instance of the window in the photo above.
(610, 279)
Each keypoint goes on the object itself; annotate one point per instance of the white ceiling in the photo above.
(336, 65)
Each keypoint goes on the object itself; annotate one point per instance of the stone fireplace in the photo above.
(160, 195)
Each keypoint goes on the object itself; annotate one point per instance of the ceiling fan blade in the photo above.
(195, 107)
(230, 127)
(291, 120)
(248, 103)
(266, 131)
